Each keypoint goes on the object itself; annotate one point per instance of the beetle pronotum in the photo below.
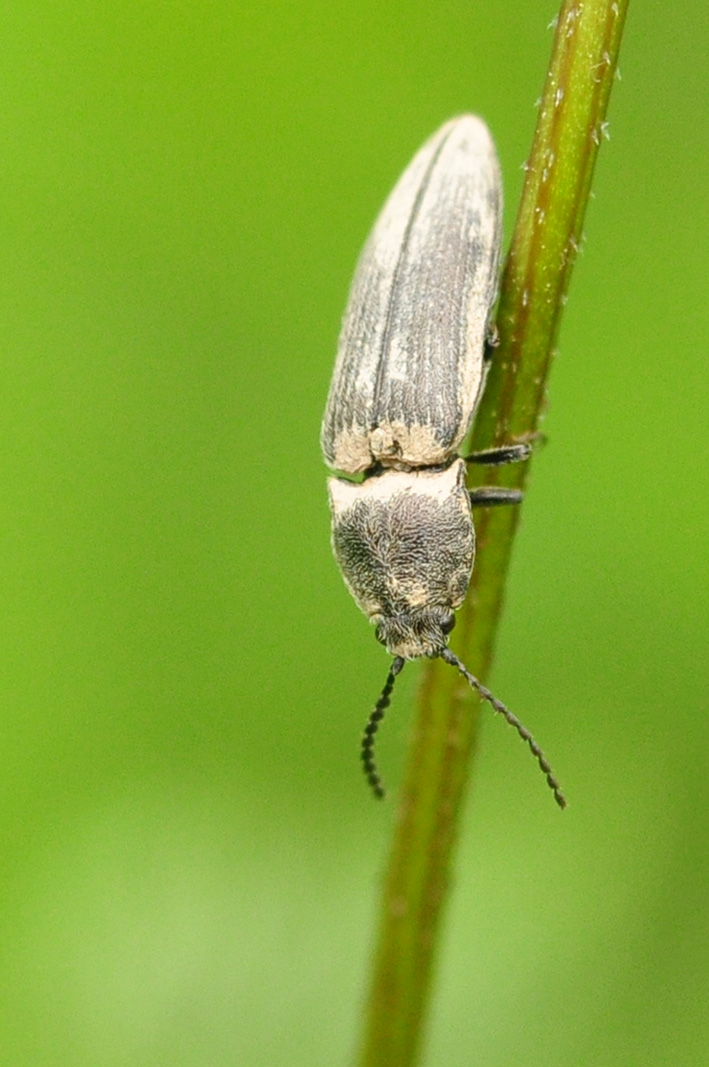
(410, 370)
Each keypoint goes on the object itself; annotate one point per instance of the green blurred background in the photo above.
(189, 854)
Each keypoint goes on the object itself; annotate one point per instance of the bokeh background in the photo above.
(189, 856)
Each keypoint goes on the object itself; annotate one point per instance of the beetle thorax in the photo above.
(405, 544)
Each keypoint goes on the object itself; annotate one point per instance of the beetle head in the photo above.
(416, 633)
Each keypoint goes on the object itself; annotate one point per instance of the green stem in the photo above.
(536, 277)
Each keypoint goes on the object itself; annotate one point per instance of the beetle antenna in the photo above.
(450, 657)
(367, 750)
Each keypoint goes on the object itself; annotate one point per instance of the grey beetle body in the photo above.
(409, 373)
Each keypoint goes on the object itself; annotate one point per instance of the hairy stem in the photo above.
(548, 231)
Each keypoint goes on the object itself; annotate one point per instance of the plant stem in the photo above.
(548, 231)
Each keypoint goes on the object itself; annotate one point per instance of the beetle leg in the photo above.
(496, 457)
(489, 496)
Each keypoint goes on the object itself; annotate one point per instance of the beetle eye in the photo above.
(379, 634)
(448, 623)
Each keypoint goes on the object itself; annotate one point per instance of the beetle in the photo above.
(411, 366)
